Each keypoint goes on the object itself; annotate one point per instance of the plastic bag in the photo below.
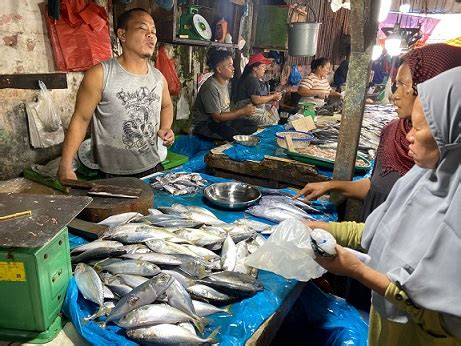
(45, 126)
(166, 65)
(295, 76)
(80, 38)
(288, 252)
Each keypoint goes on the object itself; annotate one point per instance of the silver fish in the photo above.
(253, 224)
(156, 258)
(204, 309)
(132, 280)
(233, 283)
(144, 294)
(272, 214)
(228, 254)
(96, 253)
(208, 294)
(90, 286)
(169, 334)
(96, 244)
(135, 267)
(153, 314)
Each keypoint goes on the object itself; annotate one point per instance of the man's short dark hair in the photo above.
(124, 18)
(216, 56)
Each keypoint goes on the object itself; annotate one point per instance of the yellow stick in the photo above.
(15, 215)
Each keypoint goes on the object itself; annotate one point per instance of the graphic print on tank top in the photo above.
(139, 132)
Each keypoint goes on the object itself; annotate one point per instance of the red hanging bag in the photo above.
(80, 38)
(166, 65)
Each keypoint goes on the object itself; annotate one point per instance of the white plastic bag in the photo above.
(288, 252)
(45, 126)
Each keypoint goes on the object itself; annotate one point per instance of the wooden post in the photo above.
(364, 23)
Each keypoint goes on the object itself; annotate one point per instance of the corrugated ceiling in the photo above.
(430, 6)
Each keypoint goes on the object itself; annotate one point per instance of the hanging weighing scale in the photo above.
(194, 26)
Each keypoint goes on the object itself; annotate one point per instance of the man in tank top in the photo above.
(128, 103)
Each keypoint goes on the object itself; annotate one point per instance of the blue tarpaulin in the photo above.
(235, 329)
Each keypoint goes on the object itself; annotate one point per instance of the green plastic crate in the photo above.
(33, 284)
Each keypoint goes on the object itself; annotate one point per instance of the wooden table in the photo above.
(273, 172)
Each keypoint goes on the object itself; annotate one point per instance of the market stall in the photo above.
(268, 164)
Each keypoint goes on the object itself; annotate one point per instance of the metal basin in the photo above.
(249, 141)
(232, 195)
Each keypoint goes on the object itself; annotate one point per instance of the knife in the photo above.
(102, 189)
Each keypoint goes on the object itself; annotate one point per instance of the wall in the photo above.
(26, 49)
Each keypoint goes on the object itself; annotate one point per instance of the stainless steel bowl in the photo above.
(232, 195)
(249, 141)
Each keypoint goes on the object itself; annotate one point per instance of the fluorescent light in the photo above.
(384, 10)
(405, 8)
(376, 52)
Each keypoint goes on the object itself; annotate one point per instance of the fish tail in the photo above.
(227, 310)
(200, 323)
(212, 337)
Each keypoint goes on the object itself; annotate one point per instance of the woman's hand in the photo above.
(323, 94)
(313, 190)
(277, 96)
(344, 263)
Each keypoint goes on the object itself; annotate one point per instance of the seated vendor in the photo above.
(212, 117)
(251, 89)
(315, 87)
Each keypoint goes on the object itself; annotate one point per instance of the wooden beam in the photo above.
(364, 24)
(30, 81)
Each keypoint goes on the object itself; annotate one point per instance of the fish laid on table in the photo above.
(272, 214)
(156, 258)
(291, 208)
(90, 286)
(200, 237)
(210, 295)
(144, 294)
(204, 309)
(233, 283)
(253, 224)
(179, 183)
(169, 334)
(228, 254)
(154, 314)
(134, 267)
(96, 244)
(137, 233)
(98, 253)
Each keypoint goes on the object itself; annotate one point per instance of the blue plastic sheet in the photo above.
(331, 320)
(267, 146)
(235, 329)
(195, 148)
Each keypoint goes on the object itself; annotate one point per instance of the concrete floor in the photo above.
(66, 337)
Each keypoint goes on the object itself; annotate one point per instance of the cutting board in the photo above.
(103, 207)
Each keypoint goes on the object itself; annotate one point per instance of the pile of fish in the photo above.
(277, 207)
(160, 277)
(179, 183)
(375, 117)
